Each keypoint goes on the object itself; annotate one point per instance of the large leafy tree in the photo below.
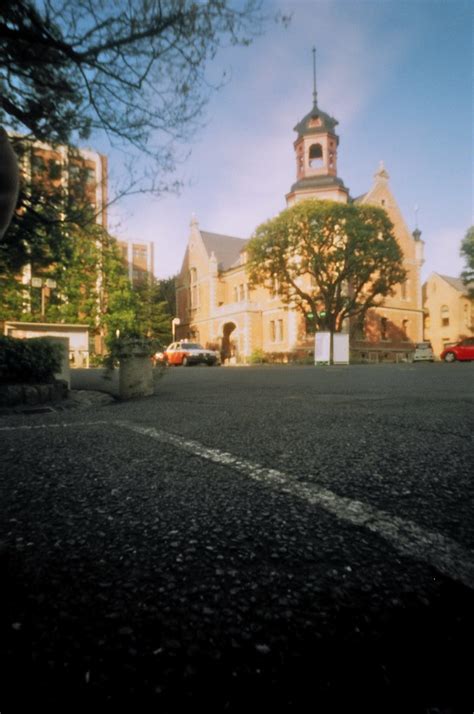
(467, 252)
(331, 261)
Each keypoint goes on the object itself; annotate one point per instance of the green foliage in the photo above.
(257, 356)
(467, 252)
(28, 360)
(128, 344)
(166, 292)
(329, 260)
(11, 296)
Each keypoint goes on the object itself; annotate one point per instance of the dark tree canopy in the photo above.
(330, 260)
(135, 70)
(467, 252)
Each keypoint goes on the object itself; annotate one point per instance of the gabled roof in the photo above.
(455, 283)
(227, 249)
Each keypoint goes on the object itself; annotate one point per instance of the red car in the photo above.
(462, 351)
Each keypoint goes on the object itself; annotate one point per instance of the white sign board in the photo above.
(322, 347)
(341, 348)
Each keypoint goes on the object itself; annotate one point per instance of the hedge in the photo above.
(28, 361)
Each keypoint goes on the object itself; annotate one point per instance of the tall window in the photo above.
(444, 316)
(403, 290)
(405, 329)
(467, 315)
(193, 288)
(280, 331)
(383, 328)
(272, 331)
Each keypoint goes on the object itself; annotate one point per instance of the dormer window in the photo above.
(314, 122)
(315, 156)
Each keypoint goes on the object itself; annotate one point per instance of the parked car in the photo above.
(462, 351)
(423, 352)
(187, 353)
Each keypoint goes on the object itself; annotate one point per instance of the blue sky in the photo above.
(398, 76)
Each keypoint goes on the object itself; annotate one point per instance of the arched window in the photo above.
(444, 316)
(315, 156)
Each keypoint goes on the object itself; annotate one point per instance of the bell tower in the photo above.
(316, 156)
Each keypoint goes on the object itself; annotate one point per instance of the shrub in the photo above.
(28, 360)
(257, 357)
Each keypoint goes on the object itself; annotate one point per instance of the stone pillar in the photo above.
(135, 372)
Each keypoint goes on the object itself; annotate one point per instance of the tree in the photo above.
(135, 71)
(467, 252)
(329, 260)
(166, 289)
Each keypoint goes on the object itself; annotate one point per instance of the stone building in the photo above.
(449, 311)
(216, 306)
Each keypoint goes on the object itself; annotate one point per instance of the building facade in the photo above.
(66, 166)
(138, 258)
(448, 310)
(216, 306)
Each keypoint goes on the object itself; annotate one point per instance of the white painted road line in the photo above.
(63, 425)
(443, 554)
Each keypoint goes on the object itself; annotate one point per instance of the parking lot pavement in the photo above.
(293, 539)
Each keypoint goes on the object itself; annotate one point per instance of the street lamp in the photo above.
(175, 321)
(49, 284)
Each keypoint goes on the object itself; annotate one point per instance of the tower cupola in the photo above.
(316, 156)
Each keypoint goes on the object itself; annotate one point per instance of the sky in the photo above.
(398, 77)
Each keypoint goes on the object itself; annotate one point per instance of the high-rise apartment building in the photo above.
(138, 257)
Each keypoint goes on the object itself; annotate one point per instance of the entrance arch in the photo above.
(228, 348)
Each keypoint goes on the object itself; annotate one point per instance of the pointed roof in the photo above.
(226, 249)
(316, 122)
(455, 283)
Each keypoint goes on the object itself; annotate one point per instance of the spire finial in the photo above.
(315, 94)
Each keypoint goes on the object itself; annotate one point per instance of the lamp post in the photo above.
(175, 321)
(48, 284)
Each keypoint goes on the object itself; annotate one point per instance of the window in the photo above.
(272, 331)
(403, 290)
(467, 316)
(236, 294)
(444, 316)
(405, 329)
(280, 331)
(193, 288)
(383, 328)
(315, 156)
(241, 292)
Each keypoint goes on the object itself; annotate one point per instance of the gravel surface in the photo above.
(135, 574)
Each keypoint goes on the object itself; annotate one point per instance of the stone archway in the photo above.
(228, 346)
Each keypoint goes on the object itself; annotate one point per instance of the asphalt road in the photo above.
(249, 539)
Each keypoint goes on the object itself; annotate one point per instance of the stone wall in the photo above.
(12, 395)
